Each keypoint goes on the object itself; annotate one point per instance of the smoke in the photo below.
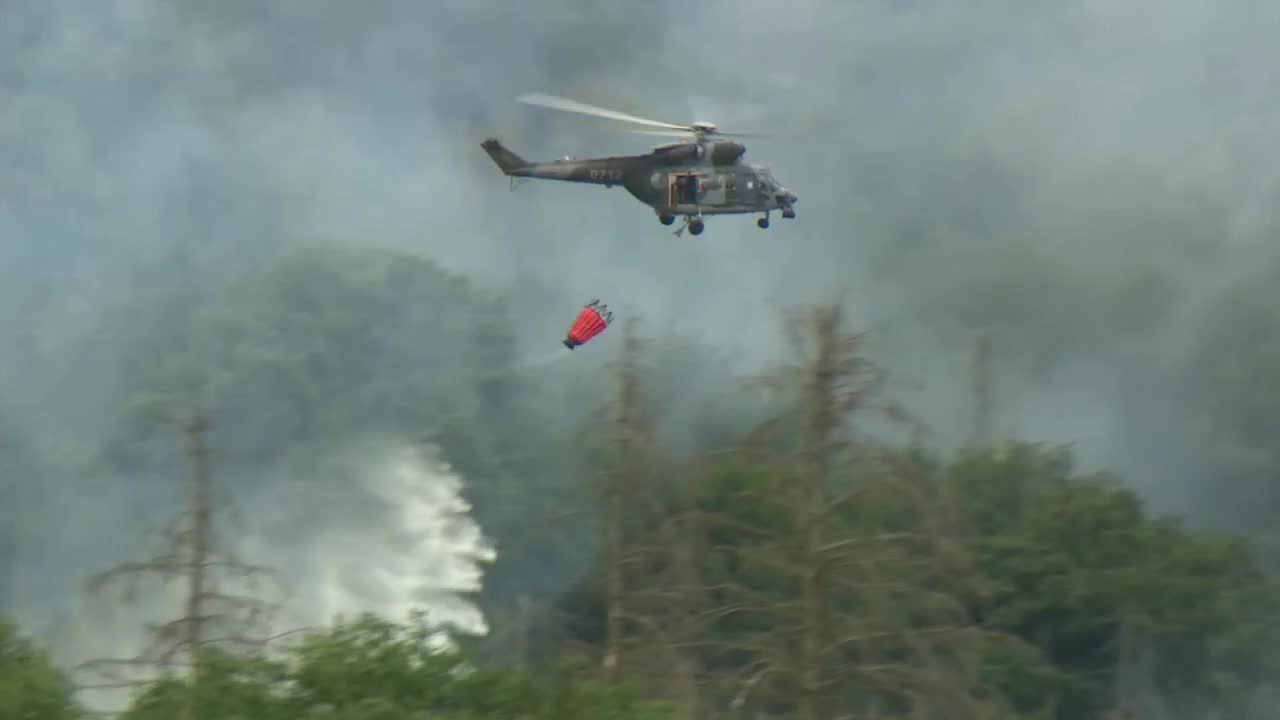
(537, 362)
(406, 540)
(397, 538)
(1085, 175)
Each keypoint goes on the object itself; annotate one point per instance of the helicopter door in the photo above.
(684, 189)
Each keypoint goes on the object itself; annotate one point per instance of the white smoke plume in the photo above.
(405, 542)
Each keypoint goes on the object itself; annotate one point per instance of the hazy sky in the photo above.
(146, 144)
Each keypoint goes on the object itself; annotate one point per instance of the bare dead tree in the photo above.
(857, 613)
(649, 540)
(985, 390)
(672, 599)
(10, 536)
(638, 527)
(631, 441)
(211, 615)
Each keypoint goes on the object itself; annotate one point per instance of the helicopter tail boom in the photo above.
(506, 160)
(608, 171)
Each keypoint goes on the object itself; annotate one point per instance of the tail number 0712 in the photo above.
(608, 174)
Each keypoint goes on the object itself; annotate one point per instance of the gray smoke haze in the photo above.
(403, 540)
(1083, 175)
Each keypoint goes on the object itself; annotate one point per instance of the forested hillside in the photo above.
(785, 548)
(987, 431)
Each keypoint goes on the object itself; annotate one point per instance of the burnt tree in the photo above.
(620, 486)
(650, 562)
(210, 615)
(845, 580)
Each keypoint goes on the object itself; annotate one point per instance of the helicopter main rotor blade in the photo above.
(744, 135)
(666, 133)
(692, 133)
(567, 105)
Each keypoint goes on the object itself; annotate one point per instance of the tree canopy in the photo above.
(664, 553)
(30, 685)
(374, 669)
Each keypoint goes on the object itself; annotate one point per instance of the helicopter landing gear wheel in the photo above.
(666, 219)
(763, 223)
(789, 214)
(696, 226)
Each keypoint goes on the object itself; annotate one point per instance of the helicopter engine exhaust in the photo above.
(727, 153)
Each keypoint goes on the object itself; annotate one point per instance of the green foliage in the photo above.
(329, 344)
(1083, 598)
(1078, 572)
(371, 669)
(832, 571)
(331, 338)
(229, 687)
(323, 340)
(30, 686)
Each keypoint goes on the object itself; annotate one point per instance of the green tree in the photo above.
(404, 668)
(30, 685)
(1103, 595)
(228, 686)
(373, 669)
(329, 344)
(329, 338)
(834, 570)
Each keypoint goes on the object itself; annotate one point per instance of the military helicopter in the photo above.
(699, 177)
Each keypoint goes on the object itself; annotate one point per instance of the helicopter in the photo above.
(698, 177)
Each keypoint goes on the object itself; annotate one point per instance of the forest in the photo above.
(988, 431)
(790, 548)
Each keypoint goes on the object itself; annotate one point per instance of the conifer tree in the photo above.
(211, 614)
(847, 582)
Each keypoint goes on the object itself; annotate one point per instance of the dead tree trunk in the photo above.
(613, 588)
(190, 555)
(626, 432)
(688, 601)
(650, 572)
(201, 520)
(666, 591)
(10, 536)
(821, 425)
(858, 615)
(982, 389)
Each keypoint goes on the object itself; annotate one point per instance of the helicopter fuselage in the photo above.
(689, 179)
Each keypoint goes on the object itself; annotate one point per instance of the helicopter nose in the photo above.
(792, 198)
